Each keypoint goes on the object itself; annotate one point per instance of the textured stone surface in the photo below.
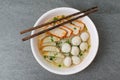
(16, 59)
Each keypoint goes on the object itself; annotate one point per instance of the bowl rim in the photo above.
(33, 48)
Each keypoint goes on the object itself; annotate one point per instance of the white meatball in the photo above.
(67, 61)
(84, 36)
(76, 40)
(75, 50)
(76, 60)
(83, 46)
(66, 47)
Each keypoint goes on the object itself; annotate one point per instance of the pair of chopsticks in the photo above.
(80, 15)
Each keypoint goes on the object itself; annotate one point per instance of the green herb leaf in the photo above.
(68, 41)
(45, 56)
(52, 39)
(51, 57)
(75, 28)
(59, 65)
(63, 16)
(58, 44)
(89, 46)
(55, 19)
(81, 53)
(86, 28)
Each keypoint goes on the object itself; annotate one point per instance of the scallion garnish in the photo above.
(80, 53)
(51, 57)
(55, 18)
(89, 46)
(52, 39)
(63, 16)
(45, 56)
(75, 28)
(58, 44)
(68, 41)
(59, 65)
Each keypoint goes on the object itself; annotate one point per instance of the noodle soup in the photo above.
(65, 46)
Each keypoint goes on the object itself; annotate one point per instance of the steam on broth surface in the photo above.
(65, 46)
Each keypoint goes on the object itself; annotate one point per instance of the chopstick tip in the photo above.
(23, 39)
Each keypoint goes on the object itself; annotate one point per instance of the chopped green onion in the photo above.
(52, 39)
(58, 44)
(63, 16)
(81, 53)
(52, 57)
(55, 19)
(75, 28)
(86, 28)
(59, 65)
(45, 56)
(68, 41)
(89, 46)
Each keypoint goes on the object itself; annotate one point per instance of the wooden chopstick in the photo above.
(42, 25)
(91, 10)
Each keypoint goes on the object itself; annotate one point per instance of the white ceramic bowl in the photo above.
(91, 55)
